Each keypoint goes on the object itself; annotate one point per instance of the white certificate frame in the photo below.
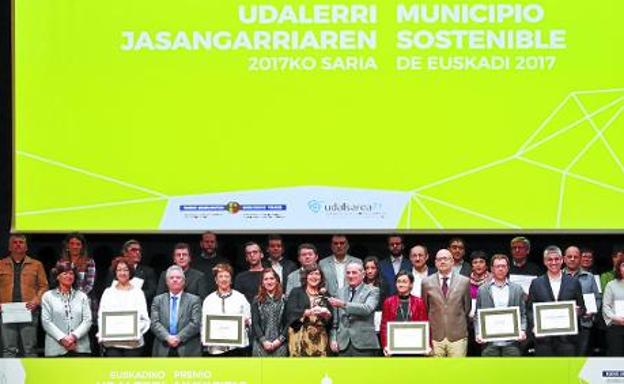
(514, 312)
(542, 331)
(16, 313)
(523, 280)
(235, 320)
(394, 326)
(129, 335)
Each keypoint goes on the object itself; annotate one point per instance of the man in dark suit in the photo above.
(353, 333)
(418, 256)
(196, 282)
(394, 263)
(176, 319)
(554, 286)
(457, 247)
(276, 260)
(500, 293)
(446, 295)
(133, 251)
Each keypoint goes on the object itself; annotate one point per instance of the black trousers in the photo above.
(351, 351)
(123, 352)
(615, 340)
(555, 346)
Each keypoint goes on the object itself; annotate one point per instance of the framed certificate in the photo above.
(120, 326)
(499, 324)
(523, 280)
(555, 318)
(411, 337)
(223, 330)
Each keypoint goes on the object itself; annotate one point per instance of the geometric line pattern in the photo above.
(531, 144)
(157, 195)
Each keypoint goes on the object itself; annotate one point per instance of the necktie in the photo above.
(445, 286)
(352, 294)
(173, 316)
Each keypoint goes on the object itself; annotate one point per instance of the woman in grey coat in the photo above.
(66, 315)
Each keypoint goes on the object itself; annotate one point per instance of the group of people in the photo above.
(339, 305)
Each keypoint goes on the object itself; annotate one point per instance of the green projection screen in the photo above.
(308, 115)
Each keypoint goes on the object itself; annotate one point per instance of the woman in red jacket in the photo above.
(401, 307)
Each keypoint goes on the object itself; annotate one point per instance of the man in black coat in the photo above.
(553, 286)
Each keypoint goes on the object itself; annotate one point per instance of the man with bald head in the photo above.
(446, 295)
(572, 260)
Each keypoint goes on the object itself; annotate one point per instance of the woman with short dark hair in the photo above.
(308, 315)
(124, 296)
(65, 315)
(401, 307)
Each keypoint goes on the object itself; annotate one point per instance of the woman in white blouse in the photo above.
(226, 301)
(123, 296)
(66, 315)
(613, 311)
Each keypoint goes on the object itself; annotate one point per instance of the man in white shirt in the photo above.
(418, 256)
(500, 293)
(395, 262)
(176, 318)
(276, 260)
(554, 285)
(334, 265)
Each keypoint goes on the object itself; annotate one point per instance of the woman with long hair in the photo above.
(268, 317)
(613, 311)
(372, 277)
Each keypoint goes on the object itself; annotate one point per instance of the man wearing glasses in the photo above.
(142, 273)
(446, 295)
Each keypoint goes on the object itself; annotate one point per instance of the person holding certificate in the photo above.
(308, 315)
(401, 307)
(22, 283)
(66, 315)
(123, 303)
(591, 295)
(227, 301)
(613, 311)
(500, 293)
(176, 318)
(554, 286)
(268, 318)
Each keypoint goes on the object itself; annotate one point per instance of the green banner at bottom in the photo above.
(312, 371)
